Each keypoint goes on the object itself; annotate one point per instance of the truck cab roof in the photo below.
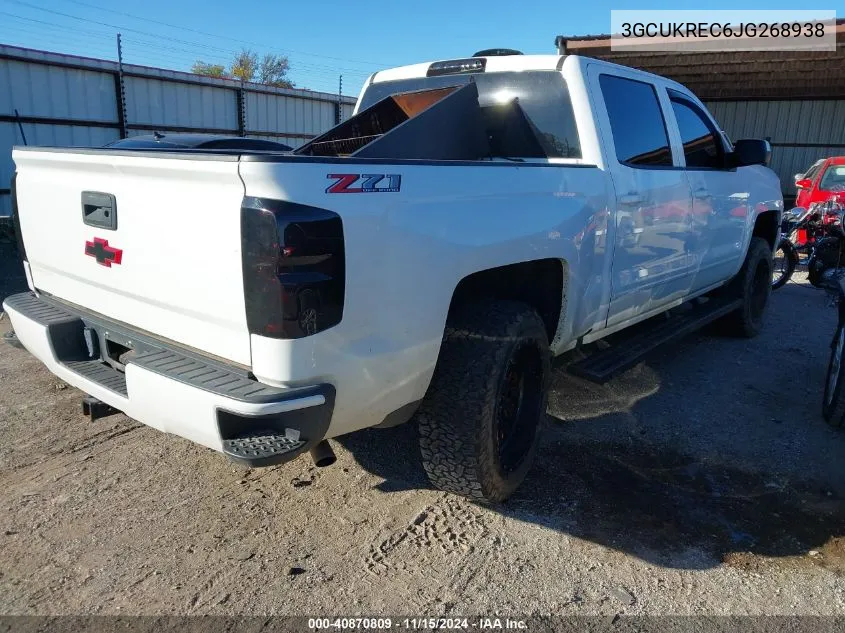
(498, 63)
(504, 63)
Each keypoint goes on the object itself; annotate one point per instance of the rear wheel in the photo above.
(752, 286)
(480, 421)
(833, 406)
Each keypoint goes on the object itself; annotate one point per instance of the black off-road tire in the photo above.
(467, 446)
(833, 405)
(753, 285)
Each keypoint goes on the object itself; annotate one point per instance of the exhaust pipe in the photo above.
(323, 455)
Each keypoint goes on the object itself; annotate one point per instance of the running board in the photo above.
(628, 351)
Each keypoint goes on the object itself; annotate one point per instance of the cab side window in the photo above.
(702, 145)
(636, 121)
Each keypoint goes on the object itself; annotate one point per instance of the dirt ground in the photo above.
(703, 481)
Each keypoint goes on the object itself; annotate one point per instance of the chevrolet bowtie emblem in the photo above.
(105, 255)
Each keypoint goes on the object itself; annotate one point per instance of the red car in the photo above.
(824, 181)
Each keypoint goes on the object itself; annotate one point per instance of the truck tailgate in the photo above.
(172, 264)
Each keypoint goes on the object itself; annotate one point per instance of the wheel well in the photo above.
(766, 226)
(538, 283)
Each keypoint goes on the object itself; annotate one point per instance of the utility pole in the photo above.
(339, 110)
(120, 90)
(241, 99)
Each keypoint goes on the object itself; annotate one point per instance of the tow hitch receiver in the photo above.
(96, 409)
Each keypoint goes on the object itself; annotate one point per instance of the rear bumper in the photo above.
(164, 386)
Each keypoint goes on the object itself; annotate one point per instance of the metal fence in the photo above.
(70, 100)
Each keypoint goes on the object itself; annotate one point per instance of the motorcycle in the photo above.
(809, 236)
(826, 270)
(833, 405)
(794, 234)
(826, 264)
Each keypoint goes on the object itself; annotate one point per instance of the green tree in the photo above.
(245, 65)
(209, 70)
(273, 71)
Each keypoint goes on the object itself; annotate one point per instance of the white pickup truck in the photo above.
(421, 261)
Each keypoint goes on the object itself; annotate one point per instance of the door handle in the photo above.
(631, 199)
(702, 194)
(99, 209)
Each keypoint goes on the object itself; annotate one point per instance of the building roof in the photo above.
(735, 75)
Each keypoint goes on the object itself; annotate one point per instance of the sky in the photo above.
(323, 39)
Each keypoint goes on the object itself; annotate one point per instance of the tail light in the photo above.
(293, 268)
(15, 217)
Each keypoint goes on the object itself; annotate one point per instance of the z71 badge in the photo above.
(367, 183)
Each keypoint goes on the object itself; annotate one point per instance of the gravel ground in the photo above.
(702, 481)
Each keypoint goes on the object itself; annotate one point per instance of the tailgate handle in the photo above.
(99, 209)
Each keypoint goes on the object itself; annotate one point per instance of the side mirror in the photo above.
(804, 183)
(751, 151)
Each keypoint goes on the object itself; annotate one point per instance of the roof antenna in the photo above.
(157, 135)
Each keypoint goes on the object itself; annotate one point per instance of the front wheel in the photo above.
(480, 421)
(783, 263)
(753, 287)
(833, 406)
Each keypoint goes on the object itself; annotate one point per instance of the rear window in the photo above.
(542, 95)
